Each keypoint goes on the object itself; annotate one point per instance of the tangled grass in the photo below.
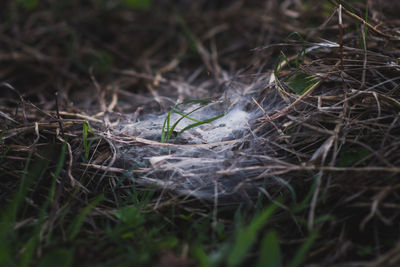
(80, 182)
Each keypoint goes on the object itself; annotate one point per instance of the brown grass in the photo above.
(342, 136)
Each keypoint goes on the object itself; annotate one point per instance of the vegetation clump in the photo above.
(311, 178)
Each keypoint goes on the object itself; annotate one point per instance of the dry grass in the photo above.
(328, 156)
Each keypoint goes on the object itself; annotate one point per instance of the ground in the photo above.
(199, 133)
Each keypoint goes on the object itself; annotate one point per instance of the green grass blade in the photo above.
(130, 215)
(279, 64)
(201, 123)
(31, 174)
(169, 120)
(139, 4)
(29, 5)
(85, 136)
(195, 101)
(76, 225)
(302, 252)
(163, 130)
(59, 257)
(350, 157)
(270, 251)
(302, 53)
(57, 172)
(85, 142)
(248, 236)
(288, 186)
(282, 58)
(29, 249)
(179, 120)
(202, 258)
(191, 38)
(31, 245)
(298, 207)
(186, 115)
(167, 129)
(23, 187)
(301, 82)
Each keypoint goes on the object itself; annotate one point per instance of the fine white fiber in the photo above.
(189, 167)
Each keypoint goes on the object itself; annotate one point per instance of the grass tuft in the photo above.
(168, 127)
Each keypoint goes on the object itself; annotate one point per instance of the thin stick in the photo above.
(58, 116)
(364, 71)
(340, 36)
(374, 29)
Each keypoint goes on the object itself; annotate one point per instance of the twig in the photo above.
(374, 29)
(58, 116)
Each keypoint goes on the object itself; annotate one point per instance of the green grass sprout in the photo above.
(300, 82)
(86, 142)
(168, 128)
(302, 52)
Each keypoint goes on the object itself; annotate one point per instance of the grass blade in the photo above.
(60, 258)
(76, 225)
(180, 119)
(163, 130)
(302, 252)
(301, 82)
(201, 123)
(270, 252)
(247, 237)
(199, 253)
(167, 130)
